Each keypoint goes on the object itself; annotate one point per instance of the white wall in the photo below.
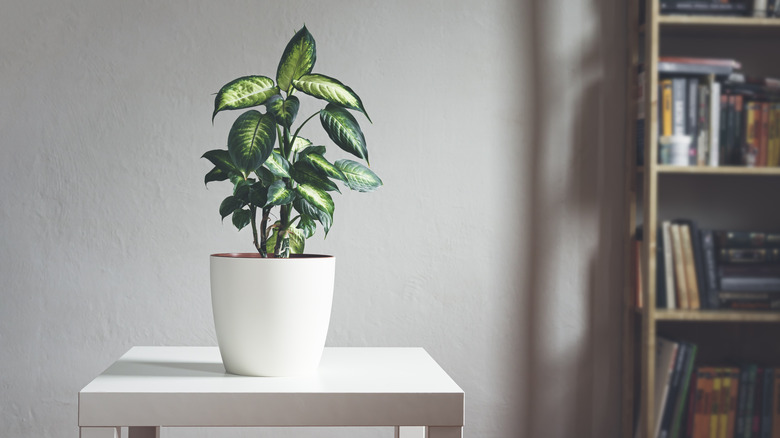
(495, 242)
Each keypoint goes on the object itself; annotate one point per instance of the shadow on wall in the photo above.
(575, 232)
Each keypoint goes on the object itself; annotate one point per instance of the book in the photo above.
(701, 421)
(697, 66)
(681, 283)
(744, 382)
(750, 402)
(671, 298)
(752, 118)
(714, 116)
(666, 355)
(749, 255)
(762, 134)
(693, 7)
(665, 107)
(692, 118)
(758, 404)
(750, 284)
(766, 403)
(683, 351)
(732, 404)
(704, 123)
(694, 301)
(678, 419)
(710, 268)
(717, 393)
(776, 405)
(746, 239)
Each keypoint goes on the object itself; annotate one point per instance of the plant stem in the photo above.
(264, 232)
(260, 247)
(295, 136)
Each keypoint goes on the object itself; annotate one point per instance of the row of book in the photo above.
(713, 269)
(755, 8)
(705, 401)
(710, 114)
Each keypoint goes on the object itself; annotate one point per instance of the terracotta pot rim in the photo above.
(255, 255)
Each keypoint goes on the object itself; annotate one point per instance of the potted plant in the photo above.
(272, 307)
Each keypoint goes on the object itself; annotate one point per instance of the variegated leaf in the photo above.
(297, 240)
(300, 144)
(319, 162)
(279, 194)
(344, 130)
(307, 225)
(358, 177)
(278, 165)
(284, 110)
(304, 208)
(305, 173)
(297, 60)
(331, 90)
(244, 92)
(320, 199)
(251, 140)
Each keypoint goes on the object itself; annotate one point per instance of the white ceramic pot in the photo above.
(271, 315)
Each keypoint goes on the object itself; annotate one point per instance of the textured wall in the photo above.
(495, 242)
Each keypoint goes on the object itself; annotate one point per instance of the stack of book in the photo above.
(708, 401)
(730, 119)
(708, 7)
(712, 269)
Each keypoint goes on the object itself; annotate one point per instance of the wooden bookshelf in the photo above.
(746, 335)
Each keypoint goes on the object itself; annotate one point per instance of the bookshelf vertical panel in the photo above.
(716, 198)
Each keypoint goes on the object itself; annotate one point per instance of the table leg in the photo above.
(99, 432)
(409, 432)
(143, 432)
(445, 432)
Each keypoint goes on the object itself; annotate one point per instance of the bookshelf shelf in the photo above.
(740, 197)
(723, 170)
(695, 316)
(706, 26)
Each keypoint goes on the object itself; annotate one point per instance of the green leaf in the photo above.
(320, 199)
(221, 159)
(216, 174)
(241, 218)
(300, 144)
(229, 205)
(358, 176)
(278, 165)
(258, 195)
(265, 176)
(330, 89)
(297, 240)
(307, 225)
(319, 162)
(304, 208)
(241, 190)
(304, 173)
(244, 92)
(251, 140)
(279, 194)
(344, 130)
(284, 110)
(297, 60)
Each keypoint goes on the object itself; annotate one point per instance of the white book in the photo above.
(665, 356)
(671, 296)
(714, 152)
(759, 8)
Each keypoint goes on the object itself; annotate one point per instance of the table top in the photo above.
(188, 386)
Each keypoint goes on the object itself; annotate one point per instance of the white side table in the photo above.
(153, 387)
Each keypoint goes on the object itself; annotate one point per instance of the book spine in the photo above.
(725, 402)
(752, 114)
(717, 391)
(683, 395)
(671, 298)
(681, 283)
(694, 301)
(736, 157)
(714, 129)
(665, 89)
(758, 400)
(703, 138)
(744, 382)
(776, 405)
(750, 284)
(734, 372)
(762, 132)
(674, 389)
(692, 119)
(749, 239)
(710, 268)
(727, 128)
(724, 127)
(766, 403)
(750, 402)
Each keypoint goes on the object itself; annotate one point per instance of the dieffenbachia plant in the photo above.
(272, 168)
